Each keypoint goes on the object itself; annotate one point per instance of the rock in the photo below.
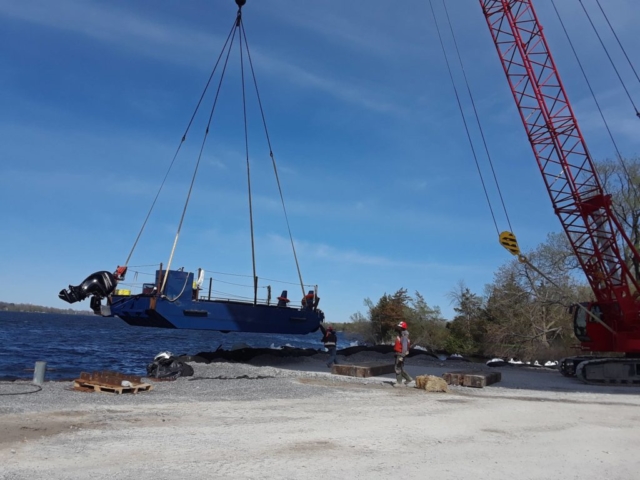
(431, 383)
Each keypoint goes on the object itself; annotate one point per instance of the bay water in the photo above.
(71, 344)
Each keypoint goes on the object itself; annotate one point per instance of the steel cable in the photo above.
(610, 59)
(464, 120)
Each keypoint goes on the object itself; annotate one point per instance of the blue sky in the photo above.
(378, 177)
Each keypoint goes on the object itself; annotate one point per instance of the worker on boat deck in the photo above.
(309, 301)
(330, 340)
(401, 349)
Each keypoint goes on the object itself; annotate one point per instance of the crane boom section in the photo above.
(568, 171)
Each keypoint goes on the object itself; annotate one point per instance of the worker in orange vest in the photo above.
(401, 350)
(309, 300)
(330, 340)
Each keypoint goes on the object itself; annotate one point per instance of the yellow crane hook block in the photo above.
(508, 241)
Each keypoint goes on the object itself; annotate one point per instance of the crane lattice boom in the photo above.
(568, 171)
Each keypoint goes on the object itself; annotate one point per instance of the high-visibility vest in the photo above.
(398, 346)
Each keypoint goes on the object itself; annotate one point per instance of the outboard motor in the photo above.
(97, 285)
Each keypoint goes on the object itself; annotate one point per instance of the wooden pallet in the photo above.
(109, 382)
(94, 387)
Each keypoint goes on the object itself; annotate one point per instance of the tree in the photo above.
(426, 324)
(387, 313)
(621, 179)
(467, 327)
(361, 325)
(527, 312)
(428, 327)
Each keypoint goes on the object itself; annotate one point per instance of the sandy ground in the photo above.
(291, 419)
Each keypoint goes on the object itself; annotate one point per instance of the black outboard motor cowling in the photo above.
(99, 285)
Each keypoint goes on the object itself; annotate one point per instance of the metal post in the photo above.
(255, 290)
(38, 373)
(210, 282)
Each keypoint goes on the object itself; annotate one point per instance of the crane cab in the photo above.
(584, 313)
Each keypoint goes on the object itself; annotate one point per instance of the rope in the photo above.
(38, 388)
(184, 137)
(463, 117)
(610, 59)
(273, 160)
(235, 284)
(606, 124)
(238, 26)
(232, 296)
(246, 146)
(186, 280)
(193, 178)
(475, 111)
(288, 283)
(249, 276)
(619, 42)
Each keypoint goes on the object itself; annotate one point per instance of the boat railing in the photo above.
(143, 284)
(149, 289)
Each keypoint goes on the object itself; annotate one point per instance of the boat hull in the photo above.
(182, 309)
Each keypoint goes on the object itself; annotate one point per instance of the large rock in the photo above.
(431, 383)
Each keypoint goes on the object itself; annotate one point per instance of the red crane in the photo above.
(612, 322)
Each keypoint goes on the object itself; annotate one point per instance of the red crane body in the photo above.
(584, 209)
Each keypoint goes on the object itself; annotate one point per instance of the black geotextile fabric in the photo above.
(169, 369)
(246, 354)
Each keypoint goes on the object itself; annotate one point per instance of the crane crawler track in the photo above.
(610, 371)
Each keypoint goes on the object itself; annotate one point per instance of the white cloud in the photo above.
(112, 25)
(347, 25)
(179, 45)
(327, 253)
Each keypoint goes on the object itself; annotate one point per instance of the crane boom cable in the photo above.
(273, 160)
(595, 99)
(184, 137)
(246, 146)
(618, 40)
(464, 120)
(195, 171)
(475, 111)
(610, 59)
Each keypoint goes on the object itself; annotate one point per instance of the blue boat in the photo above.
(174, 300)
(180, 307)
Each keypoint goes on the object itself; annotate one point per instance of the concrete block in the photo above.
(363, 369)
(472, 379)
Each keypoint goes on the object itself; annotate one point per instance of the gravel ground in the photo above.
(290, 418)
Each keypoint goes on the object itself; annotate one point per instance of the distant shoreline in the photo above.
(29, 308)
